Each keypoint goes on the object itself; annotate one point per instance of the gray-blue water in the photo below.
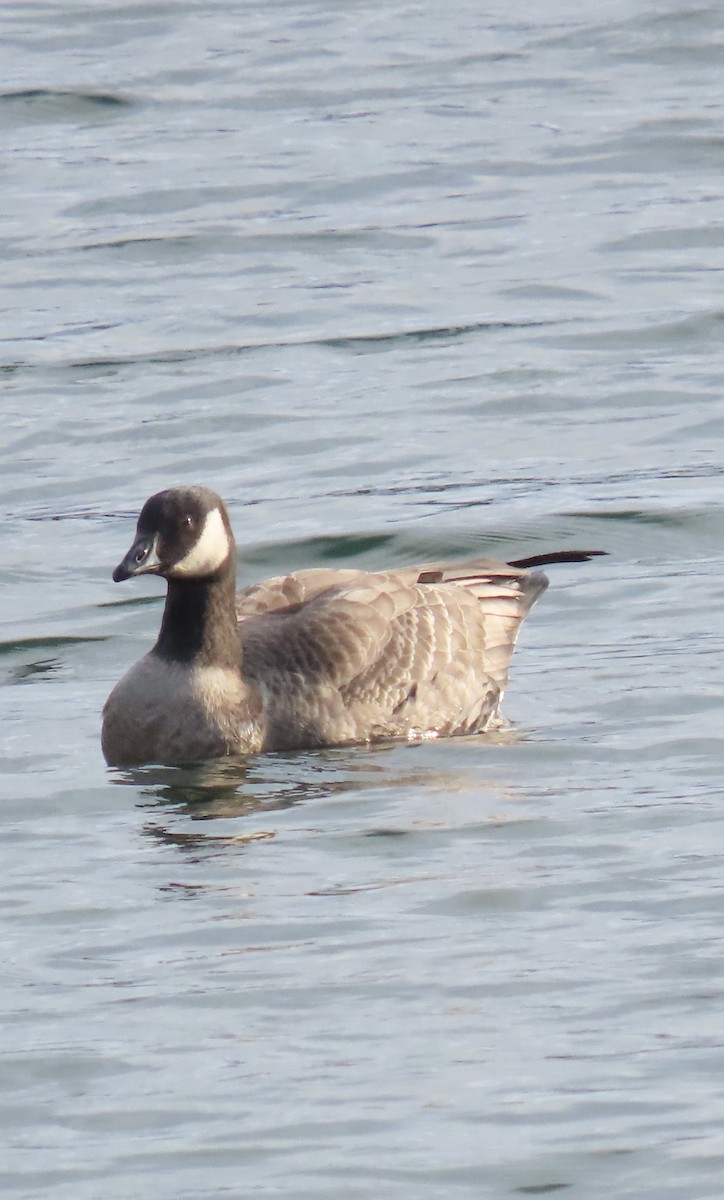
(399, 281)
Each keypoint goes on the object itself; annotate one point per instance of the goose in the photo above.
(319, 657)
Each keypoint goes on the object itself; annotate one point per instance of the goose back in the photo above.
(346, 656)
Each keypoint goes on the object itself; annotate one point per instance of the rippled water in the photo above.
(400, 282)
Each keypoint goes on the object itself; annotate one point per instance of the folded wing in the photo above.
(345, 655)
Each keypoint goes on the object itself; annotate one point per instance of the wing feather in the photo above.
(347, 655)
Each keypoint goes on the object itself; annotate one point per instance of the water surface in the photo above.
(399, 282)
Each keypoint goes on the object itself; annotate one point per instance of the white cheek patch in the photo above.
(209, 551)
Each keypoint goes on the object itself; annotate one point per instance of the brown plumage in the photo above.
(318, 657)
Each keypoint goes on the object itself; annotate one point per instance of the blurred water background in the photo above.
(399, 282)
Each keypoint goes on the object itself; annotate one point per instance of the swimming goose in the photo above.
(321, 657)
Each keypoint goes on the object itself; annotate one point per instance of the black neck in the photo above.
(199, 621)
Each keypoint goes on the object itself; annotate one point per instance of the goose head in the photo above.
(182, 533)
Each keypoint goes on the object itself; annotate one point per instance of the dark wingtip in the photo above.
(557, 556)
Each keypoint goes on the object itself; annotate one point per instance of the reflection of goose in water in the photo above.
(423, 793)
(320, 657)
(238, 787)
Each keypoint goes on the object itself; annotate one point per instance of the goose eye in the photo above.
(189, 521)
